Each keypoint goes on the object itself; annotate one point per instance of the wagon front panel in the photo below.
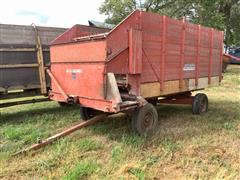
(79, 69)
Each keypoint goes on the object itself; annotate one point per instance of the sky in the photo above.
(54, 13)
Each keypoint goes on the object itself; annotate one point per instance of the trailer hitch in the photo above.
(54, 80)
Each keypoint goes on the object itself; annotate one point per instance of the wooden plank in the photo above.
(8, 66)
(25, 87)
(154, 89)
(8, 104)
(171, 87)
(203, 83)
(41, 68)
(19, 49)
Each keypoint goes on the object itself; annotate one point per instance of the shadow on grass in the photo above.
(176, 122)
(23, 115)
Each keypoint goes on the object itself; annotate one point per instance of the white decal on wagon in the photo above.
(74, 71)
(189, 67)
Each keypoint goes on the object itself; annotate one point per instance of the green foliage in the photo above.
(220, 14)
(117, 10)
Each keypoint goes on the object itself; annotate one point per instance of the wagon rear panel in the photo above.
(79, 69)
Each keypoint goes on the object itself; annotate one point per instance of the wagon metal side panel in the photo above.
(176, 56)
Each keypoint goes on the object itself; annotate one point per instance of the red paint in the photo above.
(135, 51)
(198, 55)
(210, 56)
(145, 47)
(183, 38)
(162, 66)
(221, 54)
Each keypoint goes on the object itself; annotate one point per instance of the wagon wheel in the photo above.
(144, 120)
(200, 103)
(88, 113)
(64, 104)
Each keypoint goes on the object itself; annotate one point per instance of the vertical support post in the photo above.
(221, 55)
(163, 55)
(135, 51)
(197, 58)
(42, 75)
(182, 50)
(135, 60)
(210, 56)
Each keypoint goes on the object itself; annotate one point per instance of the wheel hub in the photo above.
(147, 121)
(203, 105)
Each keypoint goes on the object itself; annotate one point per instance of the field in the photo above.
(185, 146)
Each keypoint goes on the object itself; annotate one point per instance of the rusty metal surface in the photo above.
(43, 143)
(8, 104)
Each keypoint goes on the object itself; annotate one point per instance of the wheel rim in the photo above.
(203, 105)
(147, 121)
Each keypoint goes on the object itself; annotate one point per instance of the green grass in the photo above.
(184, 147)
(82, 170)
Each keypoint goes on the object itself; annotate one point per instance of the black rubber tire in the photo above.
(144, 120)
(64, 104)
(200, 103)
(87, 113)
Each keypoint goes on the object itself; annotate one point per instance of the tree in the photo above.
(220, 14)
(117, 10)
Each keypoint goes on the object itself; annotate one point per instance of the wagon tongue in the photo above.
(62, 134)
